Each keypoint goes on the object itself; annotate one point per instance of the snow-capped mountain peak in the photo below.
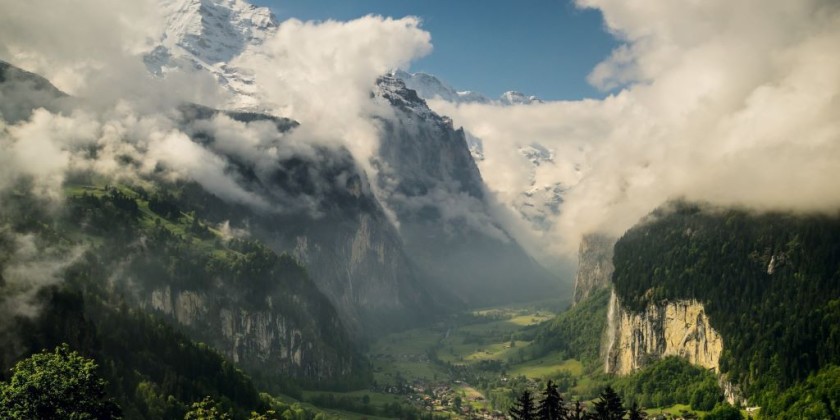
(395, 90)
(215, 31)
(513, 97)
(205, 35)
(430, 87)
(537, 154)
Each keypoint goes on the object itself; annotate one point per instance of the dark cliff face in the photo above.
(428, 178)
(323, 213)
(595, 265)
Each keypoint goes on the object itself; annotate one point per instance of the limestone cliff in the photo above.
(678, 328)
(260, 337)
(595, 266)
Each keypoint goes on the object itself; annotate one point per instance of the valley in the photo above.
(473, 366)
(464, 366)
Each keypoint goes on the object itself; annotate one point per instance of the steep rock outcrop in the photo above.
(428, 178)
(595, 266)
(260, 336)
(666, 329)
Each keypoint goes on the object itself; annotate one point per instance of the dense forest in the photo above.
(671, 381)
(770, 283)
(103, 248)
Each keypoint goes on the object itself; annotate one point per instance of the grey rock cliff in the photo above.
(595, 265)
(428, 178)
(666, 329)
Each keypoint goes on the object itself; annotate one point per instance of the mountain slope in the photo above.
(325, 215)
(428, 178)
(205, 35)
(21, 92)
(364, 267)
(538, 201)
(769, 284)
(147, 245)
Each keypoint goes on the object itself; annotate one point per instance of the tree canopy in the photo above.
(59, 384)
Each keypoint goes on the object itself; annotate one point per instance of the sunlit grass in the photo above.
(547, 366)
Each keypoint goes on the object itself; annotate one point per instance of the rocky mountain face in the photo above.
(277, 335)
(595, 266)
(329, 219)
(372, 270)
(340, 233)
(428, 178)
(259, 309)
(539, 202)
(679, 328)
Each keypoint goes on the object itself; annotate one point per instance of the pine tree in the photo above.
(577, 411)
(608, 406)
(636, 413)
(523, 408)
(552, 406)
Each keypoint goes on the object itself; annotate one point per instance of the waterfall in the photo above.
(611, 328)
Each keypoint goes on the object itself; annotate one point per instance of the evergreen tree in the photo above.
(609, 406)
(552, 406)
(523, 408)
(636, 413)
(577, 411)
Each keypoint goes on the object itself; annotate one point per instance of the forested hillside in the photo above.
(577, 332)
(770, 283)
(103, 259)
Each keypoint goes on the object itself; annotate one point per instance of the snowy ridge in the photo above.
(430, 87)
(395, 91)
(513, 97)
(204, 35)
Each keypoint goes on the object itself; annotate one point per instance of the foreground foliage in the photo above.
(60, 385)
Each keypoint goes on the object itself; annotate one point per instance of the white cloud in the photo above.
(70, 41)
(321, 74)
(734, 103)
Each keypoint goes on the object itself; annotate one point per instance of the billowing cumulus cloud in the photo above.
(321, 74)
(733, 103)
(70, 41)
(126, 125)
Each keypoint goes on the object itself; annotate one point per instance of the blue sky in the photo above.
(540, 47)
